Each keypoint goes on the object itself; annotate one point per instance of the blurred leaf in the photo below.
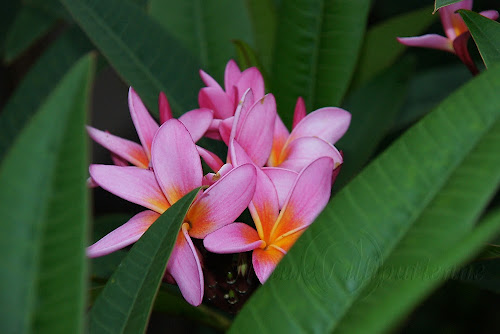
(38, 83)
(29, 25)
(443, 3)
(427, 89)
(206, 28)
(51, 7)
(7, 16)
(324, 274)
(140, 51)
(484, 274)
(263, 19)
(486, 34)
(247, 58)
(380, 47)
(490, 251)
(374, 107)
(125, 303)
(44, 214)
(317, 46)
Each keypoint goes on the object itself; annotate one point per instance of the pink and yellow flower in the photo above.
(275, 230)
(224, 101)
(176, 170)
(456, 32)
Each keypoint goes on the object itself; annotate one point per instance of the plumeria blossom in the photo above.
(276, 230)
(312, 136)
(224, 101)
(125, 151)
(176, 170)
(456, 32)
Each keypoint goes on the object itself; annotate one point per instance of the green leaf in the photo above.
(427, 89)
(28, 26)
(374, 107)
(247, 58)
(317, 45)
(38, 83)
(44, 214)
(486, 34)
(263, 18)
(206, 28)
(443, 3)
(125, 303)
(140, 50)
(7, 16)
(315, 285)
(380, 47)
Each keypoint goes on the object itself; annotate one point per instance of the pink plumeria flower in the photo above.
(456, 32)
(313, 136)
(125, 151)
(177, 171)
(225, 101)
(276, 230)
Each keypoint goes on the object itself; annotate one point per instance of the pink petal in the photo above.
(223, 202)
(184, 266)
(136, 185)
(232, 75)
(329, 124)
(431, 41)
(264, 207)
(280, 137)
(491, 14)
(242, 111)
(233, 238)
(301, 152)
(164, 108)
(211, 159)
(308, 198)
(197, 122)
(251, 78)
(124, 235)
(213, 130)
(91, 183)
(145, 125)
(260, 120)
(300, 112)
(453, 24)
(176, 161)
(283, 180)
(208, 80)
(119, 161)
(225, 128)
(217, 100)
(126, 149)
(265, 261)
(210, 178)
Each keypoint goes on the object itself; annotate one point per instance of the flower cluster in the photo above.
(456, 32)
(284, 178)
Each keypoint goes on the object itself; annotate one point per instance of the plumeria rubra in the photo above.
(223, 101)
(176, 170)
(196, 121)
(456, 32)
(312, 136)
(276, 230)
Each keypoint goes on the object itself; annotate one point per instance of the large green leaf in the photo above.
(443, 3)
(424, 252)
(317, 45)
(263, 17)
(140, 51)
(125, 303)
(374, 107)
(38, 83)
(206, 27)
(486, 34)
(28, 26)
(325, 272)
(44, 214)
(380, 47)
